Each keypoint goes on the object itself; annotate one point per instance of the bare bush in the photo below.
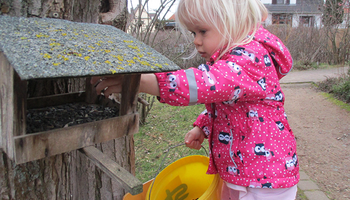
(173, 45)
(309, 45)
(306, 44)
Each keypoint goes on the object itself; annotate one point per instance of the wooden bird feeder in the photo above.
(37, 49)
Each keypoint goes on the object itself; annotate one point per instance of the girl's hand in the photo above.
(194, 138)
(107, 85)
(113, 84)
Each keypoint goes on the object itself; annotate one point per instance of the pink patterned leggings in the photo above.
(235, 192)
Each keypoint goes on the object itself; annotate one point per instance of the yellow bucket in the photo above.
(185, 179)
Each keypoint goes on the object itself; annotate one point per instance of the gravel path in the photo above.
(322, 130)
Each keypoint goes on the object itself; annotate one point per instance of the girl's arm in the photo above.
(149, 84)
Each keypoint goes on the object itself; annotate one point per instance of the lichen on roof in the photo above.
(53, 48)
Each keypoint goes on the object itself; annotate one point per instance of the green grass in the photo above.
(165, 127)
(337, 102)
(301, 195)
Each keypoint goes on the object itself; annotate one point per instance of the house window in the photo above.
(282, 18)
(307, 21)
(281, 2)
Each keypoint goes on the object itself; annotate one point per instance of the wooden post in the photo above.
(13, 105)
(129, 101)
(6, 96)
(131, 84)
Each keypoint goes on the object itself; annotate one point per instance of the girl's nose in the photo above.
(197, 41)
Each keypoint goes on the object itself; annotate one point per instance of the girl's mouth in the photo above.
(202, 54)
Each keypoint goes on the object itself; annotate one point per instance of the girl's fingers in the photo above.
(194, 138)
(112, 89)
(194, 145)
(113, 85)
(188, 138)
(101, 82)
(191, 142)
(95, 79)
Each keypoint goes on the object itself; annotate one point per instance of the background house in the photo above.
(140, 17)
(294, 12)
(170, 24)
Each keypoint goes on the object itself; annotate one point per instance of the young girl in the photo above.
(251, 144)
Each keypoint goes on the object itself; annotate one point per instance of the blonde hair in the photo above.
(234, 19)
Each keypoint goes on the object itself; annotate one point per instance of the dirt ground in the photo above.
(322, 130)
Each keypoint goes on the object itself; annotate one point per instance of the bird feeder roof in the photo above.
(54, 48)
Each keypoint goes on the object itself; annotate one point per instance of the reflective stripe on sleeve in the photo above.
(192, 86)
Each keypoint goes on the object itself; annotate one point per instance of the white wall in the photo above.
(268, 20)
(295, 20)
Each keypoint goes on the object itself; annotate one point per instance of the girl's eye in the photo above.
(202, 31)
(193, 33)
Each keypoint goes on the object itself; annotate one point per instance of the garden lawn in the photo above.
(165, 127)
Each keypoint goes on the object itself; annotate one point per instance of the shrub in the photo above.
(339, 87)
(327, 85)
(342, 90)
(305, 65)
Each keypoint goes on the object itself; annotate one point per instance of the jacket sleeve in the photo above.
(223, 81)
(205, 121)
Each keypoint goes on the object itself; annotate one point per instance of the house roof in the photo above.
(52, 48)
(136, 10)
(172, 18)
(151, 15)
(301, 6)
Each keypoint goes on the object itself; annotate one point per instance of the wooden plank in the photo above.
(91, 96)
(44, 144)
(54, 100)
(6, 103)
(130, 183)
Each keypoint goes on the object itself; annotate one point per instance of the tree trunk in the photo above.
(70, 175)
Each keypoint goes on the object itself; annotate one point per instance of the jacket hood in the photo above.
(279, 53)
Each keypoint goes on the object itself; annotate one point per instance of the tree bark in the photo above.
(70, 175)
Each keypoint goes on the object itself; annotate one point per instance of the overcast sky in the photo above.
(153, 5)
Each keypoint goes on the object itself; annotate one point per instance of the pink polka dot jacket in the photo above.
(251, 143)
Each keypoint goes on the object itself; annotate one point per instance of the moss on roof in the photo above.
(52, 48)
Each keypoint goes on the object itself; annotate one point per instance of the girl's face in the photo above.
(206, 38)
